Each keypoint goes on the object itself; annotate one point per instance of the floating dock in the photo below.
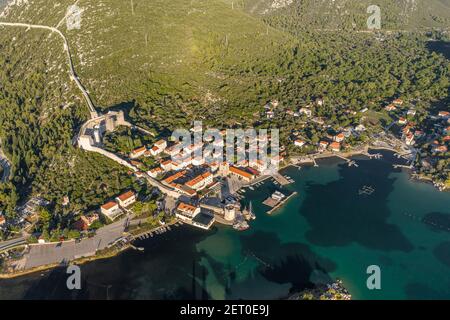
(279, 204)
(367, 190)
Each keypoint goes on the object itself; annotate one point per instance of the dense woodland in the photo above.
(37, 130)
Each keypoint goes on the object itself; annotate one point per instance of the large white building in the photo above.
(193, 216)
(161, 144)
(187, 212)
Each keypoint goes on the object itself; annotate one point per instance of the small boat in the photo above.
(251, 188)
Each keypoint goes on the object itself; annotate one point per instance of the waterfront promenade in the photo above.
(49, 254)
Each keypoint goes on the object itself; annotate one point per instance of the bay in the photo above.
(327, 231)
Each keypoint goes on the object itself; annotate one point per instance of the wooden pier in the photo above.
(315, 162)
(373, 156)
(349, 161)
(156, 231)
(396, 166)
(367, 190)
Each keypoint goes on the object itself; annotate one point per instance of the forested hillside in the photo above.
(351, 14)
(40, 111)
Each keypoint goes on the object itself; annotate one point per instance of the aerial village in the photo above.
(416, 134)
(204, 189)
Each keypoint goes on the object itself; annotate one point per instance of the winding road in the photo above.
(88, 99)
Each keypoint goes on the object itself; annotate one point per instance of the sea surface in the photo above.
(327, 231)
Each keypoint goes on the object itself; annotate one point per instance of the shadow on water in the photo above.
(442, 47)
(291, 264)
(336, 219)
(198, 289)
(53, 285)
(442, 253)
(169, 268)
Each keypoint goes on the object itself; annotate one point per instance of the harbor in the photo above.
(309, 241)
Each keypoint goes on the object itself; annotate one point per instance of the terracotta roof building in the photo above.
(126, 199)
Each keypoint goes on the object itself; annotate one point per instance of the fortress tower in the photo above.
(230, 212)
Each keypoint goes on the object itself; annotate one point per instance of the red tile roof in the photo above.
(109, 205)
(241, 173)
(198, 179)
(138, 150)
(126, 196)
(174, 177)
(335, 146)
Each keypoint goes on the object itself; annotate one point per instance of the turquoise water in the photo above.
(326, 231)
(341, 233)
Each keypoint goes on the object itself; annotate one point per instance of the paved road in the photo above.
(69, 58)
(45, 254)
